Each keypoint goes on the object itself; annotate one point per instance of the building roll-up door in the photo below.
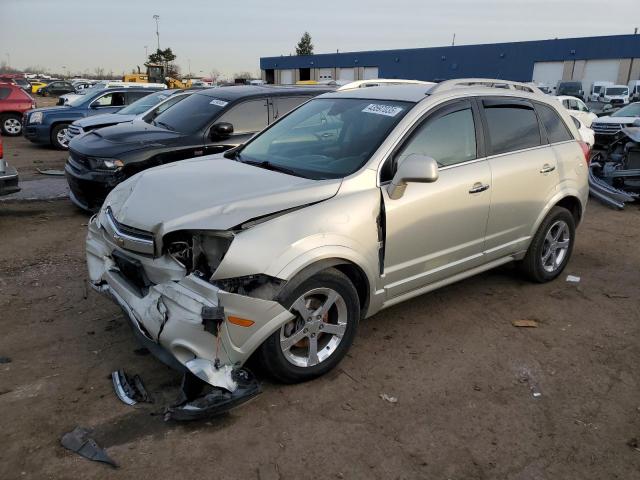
(286, 77)
(325, 74)
(600, 71)
(549, 73)
(346, 74)
(370, 73)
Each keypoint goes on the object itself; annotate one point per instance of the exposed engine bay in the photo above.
(614, 174)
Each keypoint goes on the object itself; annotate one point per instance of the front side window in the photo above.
(247, 117)
(556, 129)
(284, 105)
(326, 137)
(115, 99)
(511, 126)
(449, 139)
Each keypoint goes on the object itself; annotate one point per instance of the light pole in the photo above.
(189, 60)
(157, 18)
(146, 53)
(8, 60)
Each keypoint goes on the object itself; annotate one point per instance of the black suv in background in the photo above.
(571, 89)
(56, 88)
(206, 122)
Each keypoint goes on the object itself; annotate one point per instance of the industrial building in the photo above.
(613, 58)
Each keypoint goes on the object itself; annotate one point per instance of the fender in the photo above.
(559, 195)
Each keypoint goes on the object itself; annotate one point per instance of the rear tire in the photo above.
(11, 125)
(551, 247)
(57, 136)
(327, 310)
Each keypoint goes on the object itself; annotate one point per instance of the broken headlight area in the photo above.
(258, 286)
(198, 252)
(198, 399)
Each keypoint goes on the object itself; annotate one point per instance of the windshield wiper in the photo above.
(267, 165)
(162, 124)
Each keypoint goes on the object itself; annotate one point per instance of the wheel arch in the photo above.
(354, 272)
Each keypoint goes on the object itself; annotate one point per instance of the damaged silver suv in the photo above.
(353, 202)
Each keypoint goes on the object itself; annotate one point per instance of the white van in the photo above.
(596, 88)
(634, 90)
(615, 94)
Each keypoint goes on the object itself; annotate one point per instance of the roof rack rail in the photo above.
(484, 82)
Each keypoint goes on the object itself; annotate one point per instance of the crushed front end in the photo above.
(187, 321)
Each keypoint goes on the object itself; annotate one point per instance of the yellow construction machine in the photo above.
(156, 74)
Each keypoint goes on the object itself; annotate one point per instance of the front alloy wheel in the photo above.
(326, 311)
(320, 323)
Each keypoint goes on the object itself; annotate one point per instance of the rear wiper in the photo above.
(267, 165)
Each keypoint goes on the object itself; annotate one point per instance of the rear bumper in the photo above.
(8, 180)
(39, 134)
(169, 318)
(87, 188)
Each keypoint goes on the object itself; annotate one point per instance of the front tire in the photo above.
(11, 125)
(58, 136)
(551, 246)
(327, 311)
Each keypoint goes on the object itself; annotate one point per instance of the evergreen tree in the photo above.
(305, 47)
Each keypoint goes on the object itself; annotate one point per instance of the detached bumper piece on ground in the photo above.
(614, 175)
(199, 400)
(80, 442)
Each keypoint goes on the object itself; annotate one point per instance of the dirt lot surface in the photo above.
(477, 398)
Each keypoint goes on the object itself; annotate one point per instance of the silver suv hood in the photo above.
(211, 193)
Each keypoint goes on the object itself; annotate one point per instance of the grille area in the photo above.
(126, 237)
(606, 128)
(79, 159)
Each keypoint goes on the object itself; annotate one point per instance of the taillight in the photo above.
(1, 151)
(586, 150)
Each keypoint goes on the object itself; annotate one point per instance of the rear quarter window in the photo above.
(511, 126)
(4, 92)
(557, 130)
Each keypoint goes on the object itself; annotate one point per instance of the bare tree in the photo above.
(98, 72)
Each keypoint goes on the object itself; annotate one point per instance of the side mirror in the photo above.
(220, 131)
(415, 168)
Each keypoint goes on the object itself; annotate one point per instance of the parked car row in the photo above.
(276, 244)
(14, 102)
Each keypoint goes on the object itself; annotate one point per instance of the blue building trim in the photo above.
(512, 61)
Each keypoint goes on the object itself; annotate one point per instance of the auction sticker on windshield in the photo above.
(219, 103)
(388, 110)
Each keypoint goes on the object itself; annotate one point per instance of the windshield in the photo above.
(597, 89)
(326, 137)
(570, 87)
(75, 100)
(616, 91)
(632, 110)
(191, 114)
(143, 104)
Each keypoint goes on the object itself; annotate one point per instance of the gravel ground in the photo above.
(464, 377)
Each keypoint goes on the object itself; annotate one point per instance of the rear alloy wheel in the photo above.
(551, 246)
(326, 311)
(59, 136)
(11, 125)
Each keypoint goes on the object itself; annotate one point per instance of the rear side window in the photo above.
(556, 129)
(4, 92)
(511, 126)
(284, 105)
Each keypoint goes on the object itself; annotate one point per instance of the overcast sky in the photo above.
(231, 36)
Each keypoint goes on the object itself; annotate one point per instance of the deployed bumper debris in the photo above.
(198, 399)
(614, 175)
(129, 389)
(80, 442)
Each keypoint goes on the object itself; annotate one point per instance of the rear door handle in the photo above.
(546, 168)
(479, 187)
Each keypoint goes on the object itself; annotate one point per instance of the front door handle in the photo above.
(479, 187)
(546, 168)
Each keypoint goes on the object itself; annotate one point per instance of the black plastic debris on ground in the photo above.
(130, 390)
(80, 442)
(5, 360)
(199, 400)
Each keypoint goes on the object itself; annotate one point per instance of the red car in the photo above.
(13, 103)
